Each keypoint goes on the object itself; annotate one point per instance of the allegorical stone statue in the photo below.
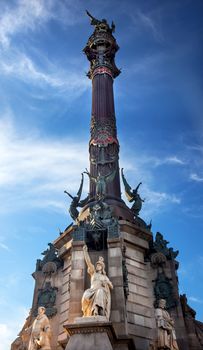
(101, 182)
(166, 338)
(96, 300)
(40, 332)
(132, 195)
(76, 202)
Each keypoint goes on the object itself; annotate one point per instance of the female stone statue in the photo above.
(40, 332)
(166, 332)
(97, 299)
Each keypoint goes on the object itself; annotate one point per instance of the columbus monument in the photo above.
(107, 282)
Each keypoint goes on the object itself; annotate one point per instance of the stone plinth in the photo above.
(96, 332)
(90, 333)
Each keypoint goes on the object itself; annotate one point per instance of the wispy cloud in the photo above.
(9, 328)
(148, 66)
(139, 168)
(22, 67)
(195, 300)
(37, 170)
(26, 15)
(32, 167)
(155, 200)
(4, 246)
(31, 15)
(27, 62)
(150, 24)
(170, 160)
(196, 177)
(155, 161)
(174, 160)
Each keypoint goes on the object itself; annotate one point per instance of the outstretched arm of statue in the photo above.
(136, 189)
(88, 261)
(68, 194)
(90, 176)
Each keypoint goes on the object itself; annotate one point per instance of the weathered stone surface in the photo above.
(135, 298)
(139, 309)
(64, 317)
(134, 254)
(115, 271)
(90, 319)
(114, 252)
(66, 278)
(140, 281)
(138, 264)
(135, 240)
(140, 320)
(138, 289)
(115, 316)
(140, 331)
(90, 333)
(65, 307)
(67, 263)
(89, 342)
(64, 298)
(136, 271)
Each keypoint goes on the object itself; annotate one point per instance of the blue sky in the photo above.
(45, 108)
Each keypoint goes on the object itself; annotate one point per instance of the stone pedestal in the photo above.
(90, 333)
(96, 332)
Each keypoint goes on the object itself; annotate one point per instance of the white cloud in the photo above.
(26, 15)
(9, 328)
(4, 246)
(137, 169)
(195, 300)
(19, 62)
(6, 336)
(20, 66)
(156, 161)
(150, 24)
(196, 177)
(147, 67)
(36, 170)
(30, 15)
(174, 160)
(155, 200)
(170, 160)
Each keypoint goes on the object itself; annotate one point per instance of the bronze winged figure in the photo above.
(76, 202)
(101, 182)
(132, 195)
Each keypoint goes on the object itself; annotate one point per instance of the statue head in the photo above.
(162, 303)
(41, 310)
(100, 266)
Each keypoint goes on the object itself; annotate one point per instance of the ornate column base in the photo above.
(96, 332)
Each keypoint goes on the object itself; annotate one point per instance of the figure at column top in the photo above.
(101, 24)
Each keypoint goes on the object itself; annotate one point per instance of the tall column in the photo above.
(104, 147)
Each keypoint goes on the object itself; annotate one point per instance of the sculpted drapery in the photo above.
(166, 338)
(40, 332)
(97, 299)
